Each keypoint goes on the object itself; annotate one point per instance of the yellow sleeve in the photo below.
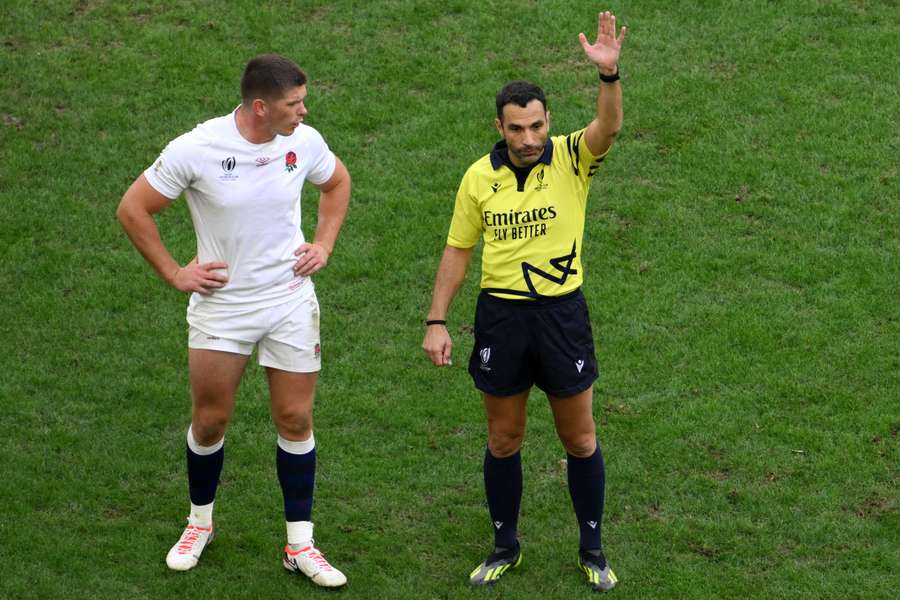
(584, 164)
(465, 227)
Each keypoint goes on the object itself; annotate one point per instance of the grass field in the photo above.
(742, 264)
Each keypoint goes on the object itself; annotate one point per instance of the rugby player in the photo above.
(251, 286)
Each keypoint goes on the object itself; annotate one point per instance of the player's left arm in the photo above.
(334, 198)
(604, 53)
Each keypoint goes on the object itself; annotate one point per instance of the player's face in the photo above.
(525, 130)
(287, 112)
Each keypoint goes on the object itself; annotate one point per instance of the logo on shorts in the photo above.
(498, 524)
(593, 524)
(579, 364)
(485, 355)
(317, 351)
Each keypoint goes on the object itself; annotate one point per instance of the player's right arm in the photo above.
(135, 213)
(450, 275)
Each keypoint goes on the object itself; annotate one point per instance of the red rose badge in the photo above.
(290, 161)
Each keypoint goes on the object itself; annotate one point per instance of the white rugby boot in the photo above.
(309, 561)
(185, 554)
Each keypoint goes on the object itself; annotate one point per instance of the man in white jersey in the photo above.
(242, 174)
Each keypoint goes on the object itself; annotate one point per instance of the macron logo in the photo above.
(593, 524)
(498, 524)
(579, 364)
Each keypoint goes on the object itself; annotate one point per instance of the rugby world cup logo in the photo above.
(485, 354)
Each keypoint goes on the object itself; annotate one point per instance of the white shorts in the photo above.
(286, 335)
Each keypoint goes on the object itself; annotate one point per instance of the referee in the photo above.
(526, 199)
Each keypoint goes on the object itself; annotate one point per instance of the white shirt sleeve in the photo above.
(322, 160)
(171, 173)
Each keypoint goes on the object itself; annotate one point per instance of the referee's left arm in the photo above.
(604, 53)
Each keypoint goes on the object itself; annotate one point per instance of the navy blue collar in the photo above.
(500, 155)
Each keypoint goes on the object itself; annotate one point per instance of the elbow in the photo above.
(122, 214)
(125, 215)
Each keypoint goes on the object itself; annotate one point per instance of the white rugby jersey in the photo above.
(244, 200)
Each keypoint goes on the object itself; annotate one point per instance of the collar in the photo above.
(500, 155)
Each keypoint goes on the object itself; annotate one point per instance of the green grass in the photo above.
(741, 265)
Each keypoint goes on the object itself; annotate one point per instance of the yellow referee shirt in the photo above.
(532, 220)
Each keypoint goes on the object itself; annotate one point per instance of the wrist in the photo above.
(608, 75)
(430, 322)
(328, 250)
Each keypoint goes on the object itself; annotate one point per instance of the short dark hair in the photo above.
(519, 92)
(270, 76)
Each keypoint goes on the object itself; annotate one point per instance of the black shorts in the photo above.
(545, 342)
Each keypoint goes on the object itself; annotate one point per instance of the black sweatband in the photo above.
(430, 322)
(609, 78)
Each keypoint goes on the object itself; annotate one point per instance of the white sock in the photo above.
(302, 447)
(299, 533)
(201, 516)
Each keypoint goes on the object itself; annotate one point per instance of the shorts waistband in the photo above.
(531, 302)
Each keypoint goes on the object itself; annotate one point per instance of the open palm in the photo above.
(605, 51)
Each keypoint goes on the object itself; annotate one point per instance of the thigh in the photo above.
(293, 396)
(293, 343)
(498, 363)
(506, 418)
(574, 419)
(215, 376)
(564, 348)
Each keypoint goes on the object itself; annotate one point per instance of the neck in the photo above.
(250, 127)
(519, 164)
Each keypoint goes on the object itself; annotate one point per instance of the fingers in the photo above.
(584, 41)
(621, 37)
(203, 279)
(311, 261)
(438, 346)
(217, 264)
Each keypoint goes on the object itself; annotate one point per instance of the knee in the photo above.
(294, 423)
(505, 443)
(581, 445)
(207, 430)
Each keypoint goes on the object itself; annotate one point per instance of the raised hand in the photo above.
(605, 51)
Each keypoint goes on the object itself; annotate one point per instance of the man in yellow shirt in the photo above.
(526, 199)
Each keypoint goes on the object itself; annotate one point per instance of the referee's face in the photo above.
(286, 113)
(525, 130)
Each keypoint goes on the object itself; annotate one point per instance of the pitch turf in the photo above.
(741, 266)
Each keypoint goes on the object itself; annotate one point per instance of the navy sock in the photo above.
(587, 481)
(503, 487)
(297, 476)
(203, 475)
